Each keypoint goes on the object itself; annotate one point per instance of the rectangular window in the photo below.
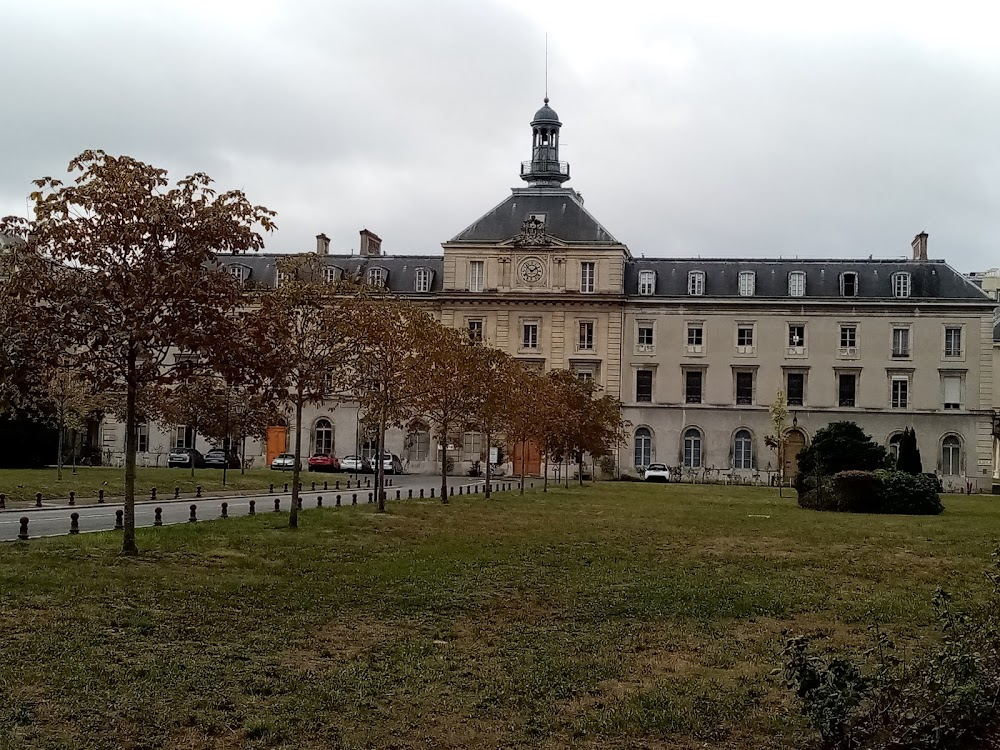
(587, 271)
(423, 283)
(692, 386)
(645, 338)
(900, 342)
(647, 282)
(797, 284)
(476, 274)
(747, 283)
(796, 336)
(744, 388)
(952, 385)
(953, 342)
(142, 438)
(585, 376)
(696, 283)
(239, 273)
(849, 284)
(795, 388)
(847, 386)
(900, 392)
(901, 285)
(586, 341)
(644, 385)
(182, 437)
(280, 278)
(475, 331)
(744, 336)
(695, 337)
(530, 339)
(848, 337)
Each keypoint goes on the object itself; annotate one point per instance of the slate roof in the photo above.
(928, 279)
(401, 268)
(565, 218)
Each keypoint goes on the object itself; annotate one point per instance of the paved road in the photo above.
(56, 521)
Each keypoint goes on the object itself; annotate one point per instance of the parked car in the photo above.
(182, 457)
(391, 464)
(324, 462)
(356, 464)
(218, 458)
(283, 462)
(656, 473)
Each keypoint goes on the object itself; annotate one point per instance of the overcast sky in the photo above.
(708, 128)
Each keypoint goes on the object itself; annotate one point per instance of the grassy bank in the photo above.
(624, 616)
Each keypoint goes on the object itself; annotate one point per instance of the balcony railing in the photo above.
(545, 167)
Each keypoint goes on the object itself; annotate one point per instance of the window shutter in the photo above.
(952, 390)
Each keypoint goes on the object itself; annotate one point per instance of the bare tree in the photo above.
(129, 274)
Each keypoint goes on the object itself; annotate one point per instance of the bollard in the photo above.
(277, 504)
(300, 487)
(459, 489)
(72, 497)
(371, 498)
(253, 508)
(313, 487)
(421, 493)
(3, 501)
(368, 484)
(451, 490)
(319, 501)
(397, 494)
(286, 486)
(225, 510)
(390, 481)
(432, 493)
(338, 501)
(157, 516)
(177, 493)
(325, 488)
(197, 491)
(152, 494)
(348, 484)
(270, 489)
(38, 499)
(74, 523)
(194, 514)
(336, 485)
(23, 533)
(531, 486)
(119, 518)
(100, 496)
(409, 494)
(354, 499)
(299, 504)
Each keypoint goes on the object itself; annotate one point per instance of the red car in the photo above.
(324, 462)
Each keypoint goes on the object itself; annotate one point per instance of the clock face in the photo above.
(531, 271)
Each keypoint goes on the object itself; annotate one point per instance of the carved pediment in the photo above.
(532, 234)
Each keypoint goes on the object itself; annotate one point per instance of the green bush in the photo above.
(871, 492)
(840, 446)
(914, 494)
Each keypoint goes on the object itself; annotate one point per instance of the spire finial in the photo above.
(546, 67)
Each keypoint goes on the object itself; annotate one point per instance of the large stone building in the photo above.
(696, 349)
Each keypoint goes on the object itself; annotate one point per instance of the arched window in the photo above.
(894, 441)
(323, 436)
(418, 443)
(742, 450)
(951, 455)
(643, 447)
(692, 448)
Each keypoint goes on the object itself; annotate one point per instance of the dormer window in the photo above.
(240, 273)
(377, 276)
(422, 281)
(901, 284)
(848, 284)
(647, 282)
(331, 274)
(797, 284)
(696, 283)
(281, 277)
(748, 282)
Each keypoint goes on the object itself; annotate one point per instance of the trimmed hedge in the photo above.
(882, 491)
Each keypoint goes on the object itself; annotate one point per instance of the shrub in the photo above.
(607, 466)
(840, 446)
(871, 492)
(909, 454)
(915, 494)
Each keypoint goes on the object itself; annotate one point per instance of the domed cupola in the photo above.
(545, 169)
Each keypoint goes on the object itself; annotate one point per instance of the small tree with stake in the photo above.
(777, 440)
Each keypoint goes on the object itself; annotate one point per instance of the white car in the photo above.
(283, 462)
(656, 473)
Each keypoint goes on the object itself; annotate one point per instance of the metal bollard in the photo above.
(300, 486)
(421, 493)
(119, 520)
(371, 498)
(157, 516)
(100, 496)
(299, 504)
(74, 523)
(319, 501)
(177, 493)
(38, 499)
(313, 487)
(324, 486)
(354, 499)
(432, 493)
(286, 486)
(338, 501)
(451, 490)
(390, 481)
(348, 484)
(194, 514)
(253, 508)
(197, 491)
(397, 494)
(152, 494)
(531, 486)
(336, 485)
(72, 497)
(225, 510)
(277, 504)
(3, 500)
(409, 494)
(270, 489)
(368, 484)
(22, 534)
(459, 489)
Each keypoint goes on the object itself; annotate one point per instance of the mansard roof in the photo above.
(565, 218)
(932, 279)
(401, 269)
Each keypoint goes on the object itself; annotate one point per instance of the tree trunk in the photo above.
(59, 452)
(580, 467)
(545, 479)
(489, 452)
(129, 546)
(444, 463)
(380, 468)
(194, 447)
(524, 450)
(566, 468)
(293, 512)
(243, 454)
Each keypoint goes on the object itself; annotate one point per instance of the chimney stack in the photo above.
(919, 246)
(371, 244)
(322, 244)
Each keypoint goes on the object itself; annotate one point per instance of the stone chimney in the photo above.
(371, 244)
(322, 244)
(919, 246)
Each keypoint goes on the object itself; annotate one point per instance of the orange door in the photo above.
(532, 459)
(277, 441)
(794, 442)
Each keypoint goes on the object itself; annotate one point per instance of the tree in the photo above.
(196, 402)
(838, 447)
(299, 337)
(497, 371)
(525, 413)
(71, 400)
(908, 459)
(123, 268)
(776, 440)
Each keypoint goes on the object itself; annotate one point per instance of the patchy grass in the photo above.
(20, 485)
(623, 616)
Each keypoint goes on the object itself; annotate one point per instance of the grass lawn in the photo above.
(622, 616)
(20, 485)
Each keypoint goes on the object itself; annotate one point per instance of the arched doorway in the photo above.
(795, 441)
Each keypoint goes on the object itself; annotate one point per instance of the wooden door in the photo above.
(277, 441)
(532, 459)
(795, 441)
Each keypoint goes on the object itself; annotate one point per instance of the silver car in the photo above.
(356, 464)
(283, 462)
(391, 464)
